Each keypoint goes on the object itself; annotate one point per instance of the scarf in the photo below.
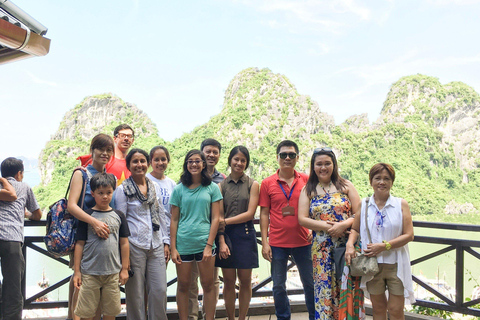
(131, 190)
(379, 218)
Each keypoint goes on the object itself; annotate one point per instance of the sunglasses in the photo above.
(284, 155)
(324, 150)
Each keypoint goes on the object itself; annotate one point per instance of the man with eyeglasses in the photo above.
(123, 136)
(282, 236)
(212, 149)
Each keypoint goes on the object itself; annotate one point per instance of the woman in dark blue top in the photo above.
(102, 148)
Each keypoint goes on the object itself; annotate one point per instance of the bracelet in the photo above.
(224, 221)
(211, 245)
(388, 246)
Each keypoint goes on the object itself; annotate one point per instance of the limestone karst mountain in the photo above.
(95, 114)
(453, 109)
(428, 131)
(260, 109)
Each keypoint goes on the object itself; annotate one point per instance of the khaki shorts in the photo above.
(95, 290)
(386, 278)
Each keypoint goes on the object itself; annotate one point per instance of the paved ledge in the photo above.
(267, 311)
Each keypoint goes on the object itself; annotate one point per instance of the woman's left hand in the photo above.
(166, 251)
(373, 249)
(207, 253)
(337, 229)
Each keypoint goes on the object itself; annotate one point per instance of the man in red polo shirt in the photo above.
(123, 136)
(282, 236)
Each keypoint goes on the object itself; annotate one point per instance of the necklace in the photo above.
(327, 192)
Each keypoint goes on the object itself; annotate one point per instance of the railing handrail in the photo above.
(447, 226)
(416, 223)
(460, 246)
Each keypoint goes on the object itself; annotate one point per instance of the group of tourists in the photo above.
(133, 224)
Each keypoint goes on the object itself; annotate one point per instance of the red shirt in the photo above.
(285, 231)
(117, 167)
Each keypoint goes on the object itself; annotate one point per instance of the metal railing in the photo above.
(459, 246)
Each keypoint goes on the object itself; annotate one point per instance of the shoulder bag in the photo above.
(362, 265)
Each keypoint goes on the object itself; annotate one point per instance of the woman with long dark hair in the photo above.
(139, 198)
(160, 159)
(327, 205)
(195, 217)
(240, 199)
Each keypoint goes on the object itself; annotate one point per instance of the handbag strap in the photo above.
(84, 187)
(366, 219)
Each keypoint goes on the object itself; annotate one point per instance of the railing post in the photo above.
(459, 275)
(24, 276)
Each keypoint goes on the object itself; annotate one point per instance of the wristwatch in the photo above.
(388, 246)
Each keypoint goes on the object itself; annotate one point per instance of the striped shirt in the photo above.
(12, 213)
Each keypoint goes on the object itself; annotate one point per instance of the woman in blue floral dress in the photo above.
(327, 205)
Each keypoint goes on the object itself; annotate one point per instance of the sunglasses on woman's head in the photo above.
(324, 150)
(321, 150)
(284, 155)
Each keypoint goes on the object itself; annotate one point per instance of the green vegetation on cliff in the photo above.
(58, 158)
(420, 132)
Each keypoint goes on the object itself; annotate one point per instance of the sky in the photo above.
(175, 59)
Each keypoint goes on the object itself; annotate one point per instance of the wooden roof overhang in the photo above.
(18, 41)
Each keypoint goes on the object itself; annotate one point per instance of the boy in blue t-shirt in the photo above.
(99, 264)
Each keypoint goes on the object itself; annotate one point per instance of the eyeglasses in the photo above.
(123, 136)
(284, 155)
(196, 162)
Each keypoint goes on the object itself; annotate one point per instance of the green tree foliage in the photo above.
(259, 104)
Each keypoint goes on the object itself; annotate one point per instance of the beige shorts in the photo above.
(386, 278)
(95, 290)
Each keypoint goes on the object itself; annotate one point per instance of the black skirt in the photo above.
(244, 251)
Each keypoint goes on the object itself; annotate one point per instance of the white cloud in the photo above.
(272, 24)
(346, 6)
(41, 81)
(319, 49)
(454, 2)
(405, 64)
(317, 16)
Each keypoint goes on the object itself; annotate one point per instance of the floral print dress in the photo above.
(334, 299)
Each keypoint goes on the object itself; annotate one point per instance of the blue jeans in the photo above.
(302, 256)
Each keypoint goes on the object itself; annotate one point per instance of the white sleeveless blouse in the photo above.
(392, 228)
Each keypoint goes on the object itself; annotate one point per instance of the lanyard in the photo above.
(291, 191)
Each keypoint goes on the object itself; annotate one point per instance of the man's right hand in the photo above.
(267, 252)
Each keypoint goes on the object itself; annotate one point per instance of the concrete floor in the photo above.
(295, 316)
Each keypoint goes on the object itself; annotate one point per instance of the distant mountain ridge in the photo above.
(428, 131)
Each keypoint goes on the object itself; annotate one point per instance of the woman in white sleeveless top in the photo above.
(391, 228)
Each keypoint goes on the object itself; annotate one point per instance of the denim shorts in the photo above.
(195, 256)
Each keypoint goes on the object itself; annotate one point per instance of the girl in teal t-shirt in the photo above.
(195, 217)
